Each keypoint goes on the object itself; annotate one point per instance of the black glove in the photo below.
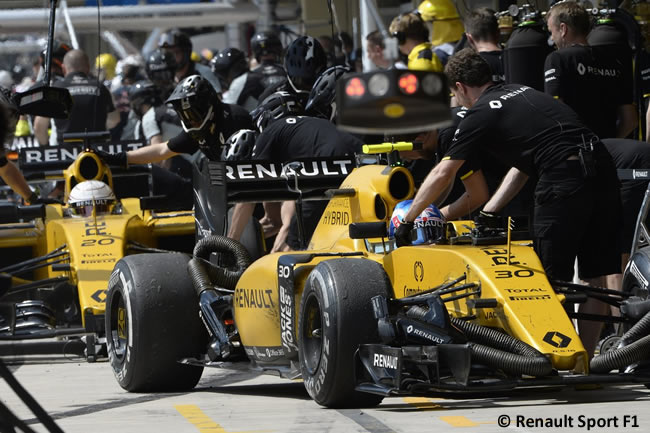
(35, 199)
(119, 159)
(486, 220)
(403, 234)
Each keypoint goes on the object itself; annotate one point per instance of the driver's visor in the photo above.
(85, 209)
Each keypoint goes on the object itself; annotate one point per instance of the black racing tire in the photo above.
(336, 300)
(152, 321)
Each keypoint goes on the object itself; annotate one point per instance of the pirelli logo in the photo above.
(530, 298)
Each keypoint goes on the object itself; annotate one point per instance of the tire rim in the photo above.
(312, 343)
(119, 326)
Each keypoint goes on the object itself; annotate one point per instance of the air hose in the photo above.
(502, 351)
(497, 349)
(219, 276)
(636, 348)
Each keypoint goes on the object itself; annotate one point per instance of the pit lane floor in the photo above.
(84, 397)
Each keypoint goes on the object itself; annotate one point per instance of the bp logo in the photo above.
(556, 339)
(418, 271)
(581, 69)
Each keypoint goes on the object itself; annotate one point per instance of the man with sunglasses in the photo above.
(207, 123)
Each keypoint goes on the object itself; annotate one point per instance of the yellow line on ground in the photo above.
(202, 422)
(459, 421)
(421, 403)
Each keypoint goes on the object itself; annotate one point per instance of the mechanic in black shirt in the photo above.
(597, 85)
(180, 45)
(92, 108)
(304, 61)
(240, 86)
(267, 49)
(160, 68)
(629, 154)
(206, 122)
(282, 141)
(537, 136)
(482, 30)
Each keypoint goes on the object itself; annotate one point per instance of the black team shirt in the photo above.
(303, 137)
(91, 104)
(519, 127)
(592, 82)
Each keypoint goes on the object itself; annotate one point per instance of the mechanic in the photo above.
(160, 68)
(240, 86)
(157, 122)
(284, 140)
(482, 30)
(205, 120)
(597, 85)
(267, 50)
(628, 154)
(180, 45)
(375, 49)
(536, 135)
(304, 61)
(92, 108)
(413, 40)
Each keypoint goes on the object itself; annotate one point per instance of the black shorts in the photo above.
(578, 217)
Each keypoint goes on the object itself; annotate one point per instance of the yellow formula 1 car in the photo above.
(355, 317)
(56, 259)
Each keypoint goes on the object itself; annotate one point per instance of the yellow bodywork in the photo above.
(94, 244)
(527, 306)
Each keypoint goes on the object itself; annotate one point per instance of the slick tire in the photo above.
(152, 322)
(335, 317)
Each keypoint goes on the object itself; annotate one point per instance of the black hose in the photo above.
(199, 275)
(640, 329)
(497, 349)
(498, 340)
(511, 362)
(622, 357)
(223, 277)
(636, 348)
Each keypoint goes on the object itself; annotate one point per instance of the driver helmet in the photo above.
(428, 227)
(91, 194)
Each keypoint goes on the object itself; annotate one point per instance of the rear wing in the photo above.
(47, 163)
(219, 184)
(39, 162)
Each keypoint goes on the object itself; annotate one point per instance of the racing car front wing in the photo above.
(428, 370)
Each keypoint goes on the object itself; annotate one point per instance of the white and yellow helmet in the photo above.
(91, 194)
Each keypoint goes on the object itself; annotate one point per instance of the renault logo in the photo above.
(556, 339)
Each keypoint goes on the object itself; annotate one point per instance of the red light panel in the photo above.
(355, 88)
(408, 83)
